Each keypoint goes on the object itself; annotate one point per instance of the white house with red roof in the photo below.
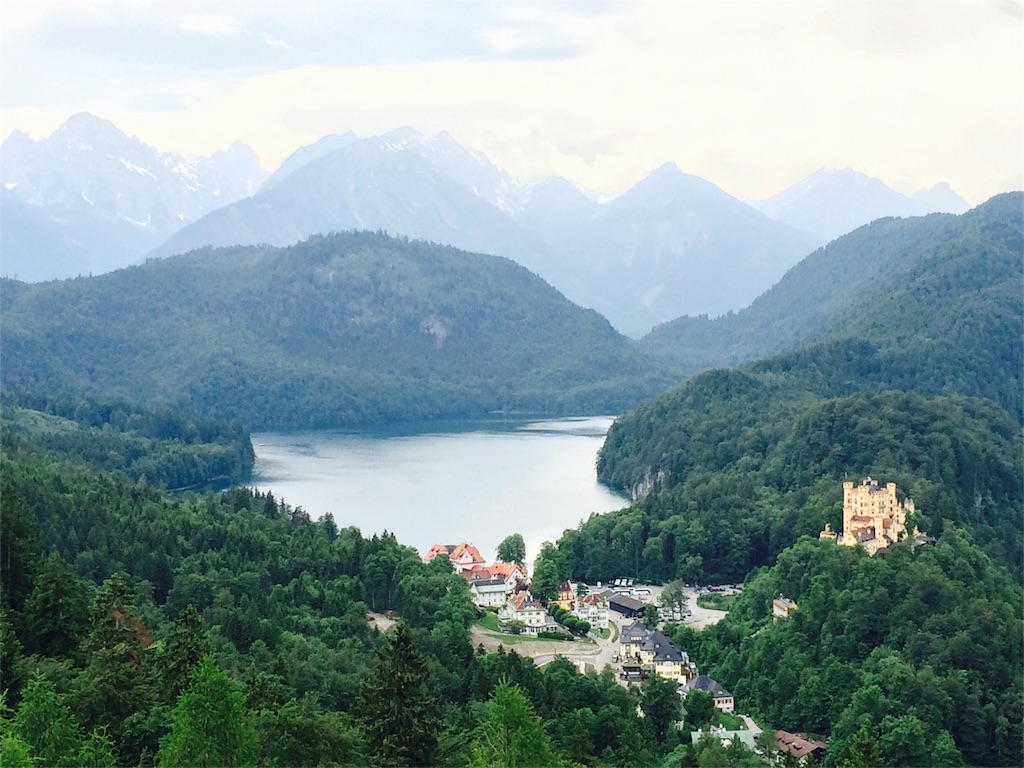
(593, 608)
(522, 608)
(492, 584)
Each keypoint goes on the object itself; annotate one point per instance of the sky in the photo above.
(753, 96)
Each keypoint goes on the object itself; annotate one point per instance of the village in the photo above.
(620, 625)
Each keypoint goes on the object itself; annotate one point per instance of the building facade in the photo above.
(873, 517)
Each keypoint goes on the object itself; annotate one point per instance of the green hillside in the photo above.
(165, 447)
(937, 278)
(950, 325)
(341, 330)
(919, 652)
(734, 489)
(918, 383)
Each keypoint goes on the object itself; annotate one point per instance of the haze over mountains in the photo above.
(831, 203)
(90, 199)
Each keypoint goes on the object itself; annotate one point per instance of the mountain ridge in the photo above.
(338, 331)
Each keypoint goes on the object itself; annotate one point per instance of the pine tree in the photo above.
(660, 704)
(116, 683)
(182, 651)
(97, 751)
(56, 611)
(513, 735)
(210, 725)
(45, 724)
(858, 750)
(396, 712)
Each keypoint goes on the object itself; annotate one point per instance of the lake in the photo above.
(475, 481)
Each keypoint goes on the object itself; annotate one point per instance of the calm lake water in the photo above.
(475, 482)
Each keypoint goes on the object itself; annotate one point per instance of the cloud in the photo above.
(209, 23)
(752, 96)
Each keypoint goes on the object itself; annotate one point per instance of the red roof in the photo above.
(455, 552)
(438, 549)
(797, 745)
(462, 550)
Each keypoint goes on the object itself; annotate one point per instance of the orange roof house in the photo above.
(462, 556)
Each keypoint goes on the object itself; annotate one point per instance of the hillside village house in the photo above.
(523, 609)
(566, 596)
(593, 608)
(723, 699)
(800, 746)
(873, 518)
(462, 556)
(492, 584)
(645, 651)
(782, 606)
(487, 592)
(489, 585)
(626, 606)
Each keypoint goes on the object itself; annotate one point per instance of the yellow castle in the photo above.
(873, 517)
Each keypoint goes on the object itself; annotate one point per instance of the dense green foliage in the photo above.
(113, 594)
(742, 477)
(948, 286)
(161, 447)
(512, 549)
(734, 465)
(339, 330)
(915, 647)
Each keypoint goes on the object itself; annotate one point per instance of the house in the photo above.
(491, 585)
(488, 591)
(462, 556)
(873, 517)
(566, 596)
(511, 572)
(782, 606)
(723, 699)
(626, 606)
(645, 651)
(593, 609)
(521, 608)
(799, 746)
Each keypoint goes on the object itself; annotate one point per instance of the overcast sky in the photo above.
(753, 96)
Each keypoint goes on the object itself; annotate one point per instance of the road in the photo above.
(700, 617)
(601, 652)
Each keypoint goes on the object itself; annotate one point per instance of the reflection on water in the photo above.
(475, 481)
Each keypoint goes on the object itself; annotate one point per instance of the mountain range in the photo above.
(89, 199)
(930, 305)
(831, 203)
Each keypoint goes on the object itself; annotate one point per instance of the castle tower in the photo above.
(873, 516)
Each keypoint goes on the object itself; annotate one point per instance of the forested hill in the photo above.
(167, 448)
(921, 387)
(909, 660)
(938, 274)
(949, 324)
(338, 330)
